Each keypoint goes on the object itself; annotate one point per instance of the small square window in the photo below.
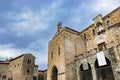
(28, 70)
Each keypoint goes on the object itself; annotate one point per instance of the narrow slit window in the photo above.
(85, 36)
(93, 32)
(52, 55)
(59, 50)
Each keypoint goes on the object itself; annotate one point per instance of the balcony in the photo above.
(100, 29)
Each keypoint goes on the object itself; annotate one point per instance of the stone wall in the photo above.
(109, 53)
(22, 68)
(76, 46)
(56, 56)
(28, 67)
(16, 68)
(42, 74)
(4, 71)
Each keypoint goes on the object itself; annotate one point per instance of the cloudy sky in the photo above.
(26, 26)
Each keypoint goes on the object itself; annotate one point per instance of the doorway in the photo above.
(55, 73)
(86, 74)
(104, 72)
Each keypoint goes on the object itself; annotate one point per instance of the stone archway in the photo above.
(86, 74)
(54, 73)
(104, 72)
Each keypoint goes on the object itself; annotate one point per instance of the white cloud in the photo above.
(104, 6)
(2, 30)
(28, 21)
(40, 51)
(82, 15)
(7, 51)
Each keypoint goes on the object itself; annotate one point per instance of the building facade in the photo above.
(19, 68)
(92, 54)
(42, 74)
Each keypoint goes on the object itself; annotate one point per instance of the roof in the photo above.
(42, 70)
(4, 62)
(72, 29)
(20, 56)
(17, 57)
(65, 29)
(112, 12)
(36, 66)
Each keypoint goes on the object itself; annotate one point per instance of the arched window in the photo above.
(104, 72)
(108, 23)
(85, 37)
(29, 61)
(4, 77)
(0, 75)
(85, 72)
(93, 32)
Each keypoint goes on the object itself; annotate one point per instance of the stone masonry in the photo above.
(73, 55)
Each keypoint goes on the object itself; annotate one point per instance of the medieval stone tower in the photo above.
(92, 54)
(22, 67)
(19, 68)
(64, 45)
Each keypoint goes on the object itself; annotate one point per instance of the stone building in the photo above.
(42, 74)
(91, 54)
(5, 73)
(35, 76)
(19, 68)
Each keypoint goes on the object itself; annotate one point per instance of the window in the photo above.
(35, 78)
(14, 66)
(29, 61)
(18, 65)
(4, 77)
(52, 55)
(108, 23)
(93, 32)
(84, 36)
(0, 75)
(59, 50)
(95, 50)
(28, 70)
(100, 28)
(75, 47)
(102, 46)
